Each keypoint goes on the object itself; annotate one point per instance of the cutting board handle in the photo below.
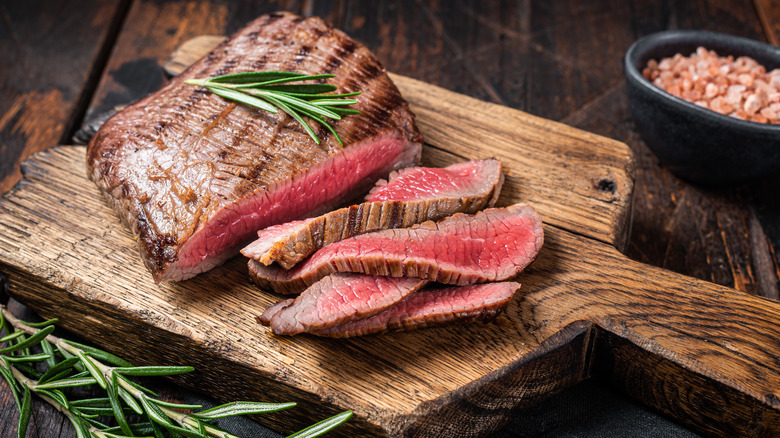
(705, 354)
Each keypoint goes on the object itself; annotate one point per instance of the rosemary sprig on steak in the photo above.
(272, 90)
(33, 361)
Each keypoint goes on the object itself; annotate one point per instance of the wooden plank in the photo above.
(39, 101)
(151, 32)
(66, 254)
(769, 15)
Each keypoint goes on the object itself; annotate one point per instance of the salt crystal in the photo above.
(711, 90)
(752, 104)
(769, 113)
(745, 79)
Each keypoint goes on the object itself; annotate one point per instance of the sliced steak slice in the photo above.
(337, 299)
(195, 176)
(493, 245)
(426, 308)
(410, 196)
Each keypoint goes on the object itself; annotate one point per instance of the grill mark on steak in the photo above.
(493, 245)
(243, 192)
(411, 196)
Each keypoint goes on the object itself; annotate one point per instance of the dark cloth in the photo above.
(588, 410)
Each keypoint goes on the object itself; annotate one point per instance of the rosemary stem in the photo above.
(182, 419)
(17, 324)
(32, 385)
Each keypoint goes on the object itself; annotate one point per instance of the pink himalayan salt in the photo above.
(740, 88)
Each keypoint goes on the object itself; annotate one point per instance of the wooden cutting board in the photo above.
(706, 355)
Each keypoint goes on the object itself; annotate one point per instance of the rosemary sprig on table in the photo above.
(269, 90)
(33, 361)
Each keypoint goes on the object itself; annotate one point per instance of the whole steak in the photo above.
(195, 176)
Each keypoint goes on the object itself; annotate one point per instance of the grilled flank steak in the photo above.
(195, 176)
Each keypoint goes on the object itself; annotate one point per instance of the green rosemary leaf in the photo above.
(156, 430)
(297, 89)
(27, 369)
(113, 435)
(322, 122)
(130, 401)
(138, 429)
(295, 116)
(153, 371)
(8, 376)
(332, 102)
(255, 77)
(294, 77)
(299, 104)
(11, 336)
(30, 358)
(24, 413)
(241, 408)
(101, 355)
(193, 433)
(242, 98)
(67, 383)
(113, 397)
(40, 324)
(93, 370)
(59, 370)
(344, 111)
(48, 349)
(81, 374)
(90, 411)
(93, 421)
(323, 426)
(154, 413)
(100, 402)
(32, 340)
(57, 396)
(59, 376)
(82, 431)
(136, 386)
(175, 405)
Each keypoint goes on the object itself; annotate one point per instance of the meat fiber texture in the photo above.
(338, 299)
(410, 196)
(194, 176)
(346, 305)
(492, 245)
(432, 307)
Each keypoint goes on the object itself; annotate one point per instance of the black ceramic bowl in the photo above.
(695, 143)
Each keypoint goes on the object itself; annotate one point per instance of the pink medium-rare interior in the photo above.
(492, 245)
(327, 184)
(458, 180)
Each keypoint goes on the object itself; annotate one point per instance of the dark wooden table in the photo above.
(65, 62)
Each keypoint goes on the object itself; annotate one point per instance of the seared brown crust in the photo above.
(174, 160)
